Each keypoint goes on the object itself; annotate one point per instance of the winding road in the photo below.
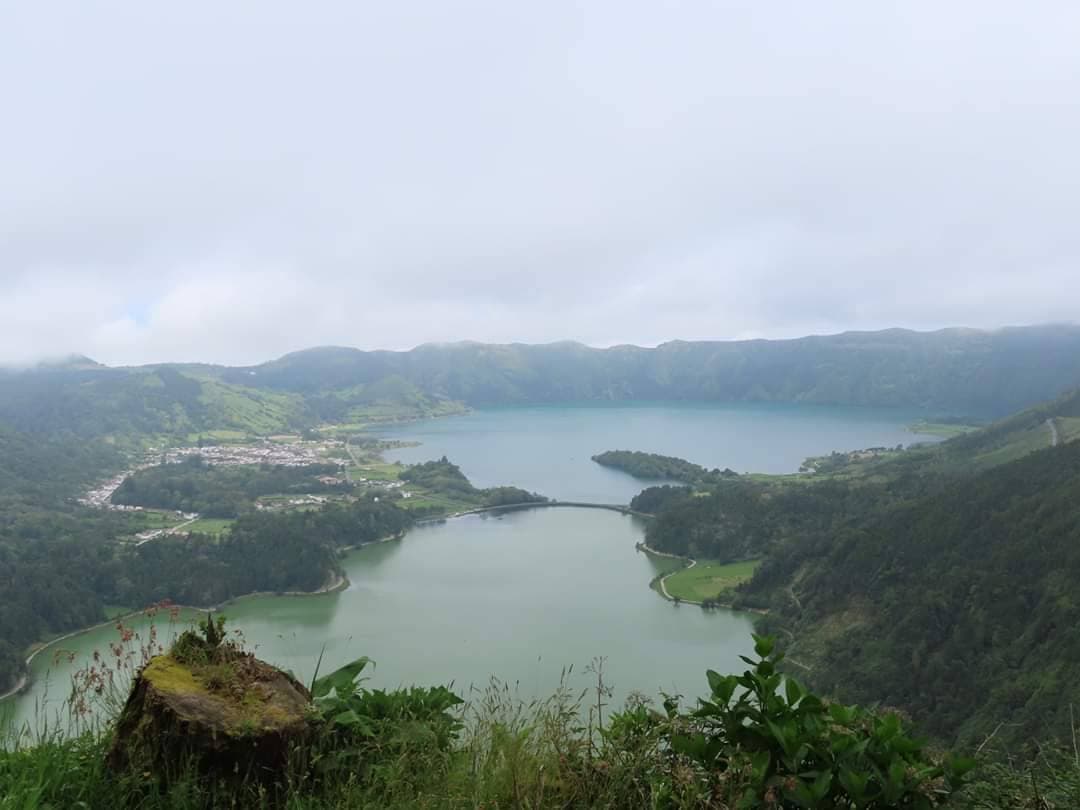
(1050, 423)
(660, 582)
(174, 530)
(663, 586)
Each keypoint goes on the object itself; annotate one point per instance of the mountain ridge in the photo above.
(949, 372)
(76, 358)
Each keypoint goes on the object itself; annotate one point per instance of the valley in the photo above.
(388, 535)
(494, 441)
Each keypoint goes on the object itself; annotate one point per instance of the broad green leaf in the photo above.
(763, 645)
(342, 679)
(793, 690)
(821, 785)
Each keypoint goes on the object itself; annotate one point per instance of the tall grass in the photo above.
(567, 750)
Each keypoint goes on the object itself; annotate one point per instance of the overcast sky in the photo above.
(229, 181)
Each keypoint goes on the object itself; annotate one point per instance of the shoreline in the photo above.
(337, 583)
(340, 582)
(663, 591)
(691, 562)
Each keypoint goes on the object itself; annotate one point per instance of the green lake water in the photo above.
(521, 595)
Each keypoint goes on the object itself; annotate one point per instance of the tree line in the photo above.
(951, 593)
(215, 491)
(444, 477)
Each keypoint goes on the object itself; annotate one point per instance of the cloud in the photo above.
(230, 182)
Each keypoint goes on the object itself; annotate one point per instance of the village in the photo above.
(284, 454)
(293, 453)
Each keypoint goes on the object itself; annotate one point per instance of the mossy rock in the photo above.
(236, 719)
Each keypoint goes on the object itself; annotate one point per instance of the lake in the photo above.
(524, 595)
(549, 449)
(520, 595)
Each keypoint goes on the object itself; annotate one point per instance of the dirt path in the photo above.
(1050, 423)
(663, 584)
(165, 532)
(791, 593)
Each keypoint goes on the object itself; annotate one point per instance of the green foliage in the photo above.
(59, 569)
(652, 466)
(738, 518)
(949, 371)
(775, 744)
(220, 491)
(709, 583)
(654, 499)
(758, 740)
(200, 646)
(443, 477)
(508, 496)
(1048, 781)
(366, 732)
(1013, 437)
(936, 582)
(945, 595)
(131, 405)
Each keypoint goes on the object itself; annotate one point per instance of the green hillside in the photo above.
(941, 580)
(961, 606)
(132, 405)
(952, 371)
(947, 372)
(1016, 436)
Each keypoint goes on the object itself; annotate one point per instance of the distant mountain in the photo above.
(963, 371)
(71, 361)
(953, 371)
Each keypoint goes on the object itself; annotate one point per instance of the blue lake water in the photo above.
(549, 449)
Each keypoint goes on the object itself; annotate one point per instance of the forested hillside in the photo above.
(951, 564)
(944, 581)
(446, 478)
(954, 371)
(962, 606)
(61, 564)
(131, 405)
(652, 466)
(66, 426)
(957, 371)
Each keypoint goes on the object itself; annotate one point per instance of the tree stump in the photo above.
(235, 720)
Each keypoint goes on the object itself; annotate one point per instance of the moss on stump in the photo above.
(228, 717)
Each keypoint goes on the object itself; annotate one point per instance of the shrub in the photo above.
(763, 740)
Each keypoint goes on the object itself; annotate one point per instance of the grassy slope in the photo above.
(951, 371)
(1003, 441)
(241, 410)
(1016, 436)
(944, 429)
(958, 607)
(213, 526)
(873, 593)
(708, 580)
